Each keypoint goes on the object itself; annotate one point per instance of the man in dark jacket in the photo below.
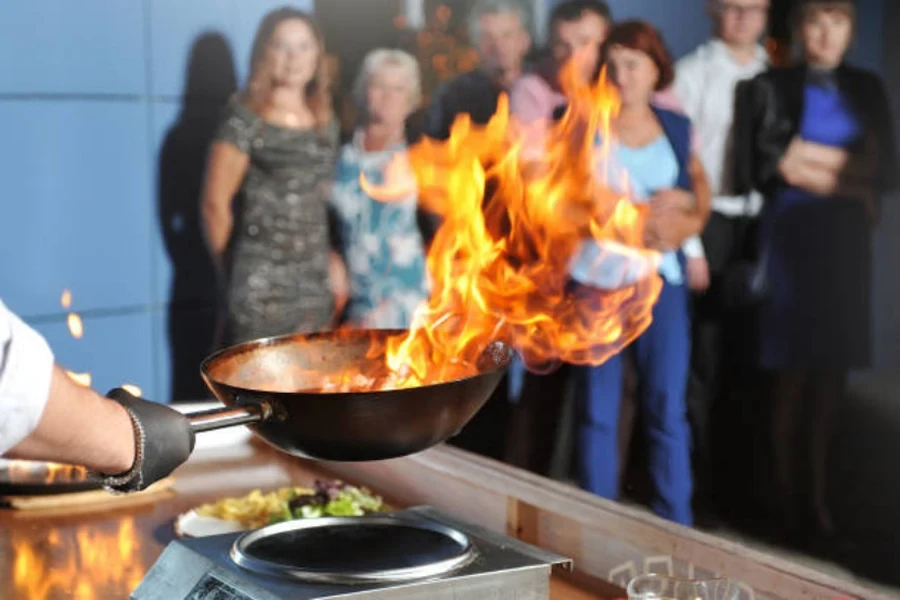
(499, 31)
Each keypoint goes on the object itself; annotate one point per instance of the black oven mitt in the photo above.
(163, 440)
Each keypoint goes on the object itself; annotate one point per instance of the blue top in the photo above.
(380, 242)
(647, 169)
(827, 119)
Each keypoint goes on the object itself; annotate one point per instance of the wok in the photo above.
(259, 383)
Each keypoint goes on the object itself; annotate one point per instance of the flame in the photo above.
(499, 262)
(76, 327)
(82, 379)
(132, 389)
(86, 564)
(26, 471)
(64, 473)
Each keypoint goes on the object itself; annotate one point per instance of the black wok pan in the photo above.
(258, 382)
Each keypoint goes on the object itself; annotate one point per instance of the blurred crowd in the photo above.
(763, 184)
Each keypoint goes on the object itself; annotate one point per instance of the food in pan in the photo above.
(326, 498)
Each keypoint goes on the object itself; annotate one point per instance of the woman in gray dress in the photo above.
(265, 198)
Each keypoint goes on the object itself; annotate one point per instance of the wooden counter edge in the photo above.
(565, 519)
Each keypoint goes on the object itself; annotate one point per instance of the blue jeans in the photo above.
(662, 356)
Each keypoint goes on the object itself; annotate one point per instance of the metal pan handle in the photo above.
(219, 418)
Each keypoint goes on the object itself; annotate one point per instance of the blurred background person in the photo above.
(499, 31)
(380, 242)
(816, 139)
(705, 83)
(577, 30)
(265, 196)
(653, 146)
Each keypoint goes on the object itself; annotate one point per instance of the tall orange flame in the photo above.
(76, 326)
(500, 260)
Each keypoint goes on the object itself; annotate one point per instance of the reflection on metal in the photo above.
(99, 565)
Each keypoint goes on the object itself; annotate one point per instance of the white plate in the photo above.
(191, 524)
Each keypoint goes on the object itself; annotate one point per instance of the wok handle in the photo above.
(219, 418)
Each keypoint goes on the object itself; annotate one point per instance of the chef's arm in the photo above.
(46, 416)
(225, 172)
(79, 426)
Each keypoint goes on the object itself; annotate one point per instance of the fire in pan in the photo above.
(328, 396)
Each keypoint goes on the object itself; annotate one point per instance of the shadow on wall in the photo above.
(195, 295)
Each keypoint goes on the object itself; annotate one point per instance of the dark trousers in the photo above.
(535, 421)
(486, 433)
(722, 351)
(661, 357)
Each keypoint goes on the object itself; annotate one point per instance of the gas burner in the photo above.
(31, 478)
(416, 554)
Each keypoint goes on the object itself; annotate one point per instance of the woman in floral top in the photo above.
(380, 241)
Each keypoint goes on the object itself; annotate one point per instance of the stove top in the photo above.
(205, 569)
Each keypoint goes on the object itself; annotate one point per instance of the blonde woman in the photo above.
(381, 242)
(265, 198)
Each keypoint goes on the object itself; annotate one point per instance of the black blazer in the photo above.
(768, 111)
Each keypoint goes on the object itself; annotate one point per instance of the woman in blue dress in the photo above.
(816, 140)
(653, 147)
(381, 242)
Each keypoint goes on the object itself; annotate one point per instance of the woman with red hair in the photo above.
(652, 146)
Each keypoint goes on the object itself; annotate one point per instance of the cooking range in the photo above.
(410, 554)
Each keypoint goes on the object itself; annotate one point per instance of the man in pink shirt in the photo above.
(578, 29)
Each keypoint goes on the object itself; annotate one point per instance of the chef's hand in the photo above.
(163, 439)
(698, 273)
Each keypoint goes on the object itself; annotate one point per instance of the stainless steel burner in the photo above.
(488, 565)
(353, 550)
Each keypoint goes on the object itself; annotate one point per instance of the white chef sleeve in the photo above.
(26, 368)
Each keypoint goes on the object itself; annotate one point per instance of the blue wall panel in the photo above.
(114, 350)
(66, 46)
(867, 49)
(174, 26)
(162, 359)
(77, 207)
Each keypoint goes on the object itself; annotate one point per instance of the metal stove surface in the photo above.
(201, 569)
